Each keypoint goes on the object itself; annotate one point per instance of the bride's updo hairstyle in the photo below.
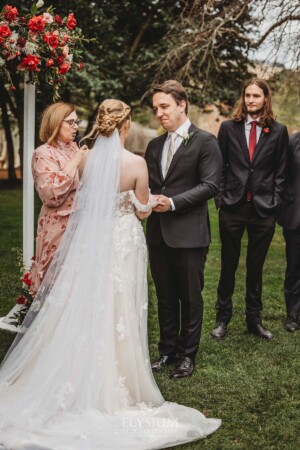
(111, 115)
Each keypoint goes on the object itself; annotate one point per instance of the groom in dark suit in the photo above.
(254, 149)
(184, 169)
(290, 220)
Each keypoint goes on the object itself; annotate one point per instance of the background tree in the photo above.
(206, 44)
(204, 50)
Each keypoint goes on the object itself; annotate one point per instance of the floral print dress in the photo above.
(56, 189)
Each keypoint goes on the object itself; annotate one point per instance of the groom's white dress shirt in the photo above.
(180, 134)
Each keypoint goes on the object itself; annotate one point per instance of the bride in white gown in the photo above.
(79, 377)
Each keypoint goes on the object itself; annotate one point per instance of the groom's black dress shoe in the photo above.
(260, 331)
(161, 362)
(291, 324)
(184, 367)
(220, 331)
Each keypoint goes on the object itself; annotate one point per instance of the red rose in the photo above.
(30, 62)
(80, 66)
(49, 62)
(37, 23)
(64, 68)
(71, 21)
(21, 300)
(10, 13)
(266, 130)
(51, 39)
(26, 275)
(26, 280)
(60, 60)
(21, 42)
(58, 20)
(5, 31)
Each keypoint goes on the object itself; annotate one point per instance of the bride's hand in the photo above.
(154, 201)
(163, 204)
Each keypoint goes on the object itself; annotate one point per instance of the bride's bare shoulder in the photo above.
(134, 159)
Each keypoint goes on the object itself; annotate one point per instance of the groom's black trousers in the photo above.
(178, 275)
(292, 274)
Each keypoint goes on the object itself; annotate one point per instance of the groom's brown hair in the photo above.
(173, 88)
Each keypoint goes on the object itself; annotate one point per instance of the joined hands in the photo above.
(160, 203)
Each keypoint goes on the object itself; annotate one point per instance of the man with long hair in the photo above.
(254, 149)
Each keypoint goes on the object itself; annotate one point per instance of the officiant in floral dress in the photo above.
(55, 172)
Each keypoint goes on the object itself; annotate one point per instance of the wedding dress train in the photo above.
(80, 377)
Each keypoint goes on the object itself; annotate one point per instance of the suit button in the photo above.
(163, 188)
(251, 170)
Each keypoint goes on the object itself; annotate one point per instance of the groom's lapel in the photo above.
(181, 149)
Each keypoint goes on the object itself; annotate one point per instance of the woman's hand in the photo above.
(80, 154)
(76, 160)
(143, 215)
(161, 203)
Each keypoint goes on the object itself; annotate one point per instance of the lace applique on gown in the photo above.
(86, 381)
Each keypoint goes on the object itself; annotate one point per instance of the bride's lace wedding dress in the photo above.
(80, 377)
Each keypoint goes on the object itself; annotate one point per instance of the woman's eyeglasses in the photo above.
(72, 122)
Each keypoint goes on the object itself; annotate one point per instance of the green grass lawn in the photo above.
(252, 385)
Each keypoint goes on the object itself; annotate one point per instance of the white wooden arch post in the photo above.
(28, 186)
(28, 192)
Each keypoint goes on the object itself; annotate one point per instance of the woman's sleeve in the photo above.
(51, 182)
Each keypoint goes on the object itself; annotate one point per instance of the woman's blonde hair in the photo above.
(111, 115)
(52, 119)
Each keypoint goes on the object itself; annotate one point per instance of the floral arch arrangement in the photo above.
(43, 45)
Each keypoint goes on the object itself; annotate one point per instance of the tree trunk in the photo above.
(10, 145)
(19, 114)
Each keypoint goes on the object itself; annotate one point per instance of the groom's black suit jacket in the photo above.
(264, 176)
(290, 213)
(193, 178)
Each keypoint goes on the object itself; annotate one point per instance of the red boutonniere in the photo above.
(266, 130)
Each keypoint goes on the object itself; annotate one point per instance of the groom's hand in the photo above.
(164, 204)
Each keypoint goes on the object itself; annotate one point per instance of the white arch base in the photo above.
(5, 322)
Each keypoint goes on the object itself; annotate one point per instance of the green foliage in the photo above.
(43, 50)
(205, 49)
(132, 39)
(286, 98)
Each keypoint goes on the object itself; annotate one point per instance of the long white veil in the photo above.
(93, 216)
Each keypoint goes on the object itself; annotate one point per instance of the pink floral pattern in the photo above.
(56, 189)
